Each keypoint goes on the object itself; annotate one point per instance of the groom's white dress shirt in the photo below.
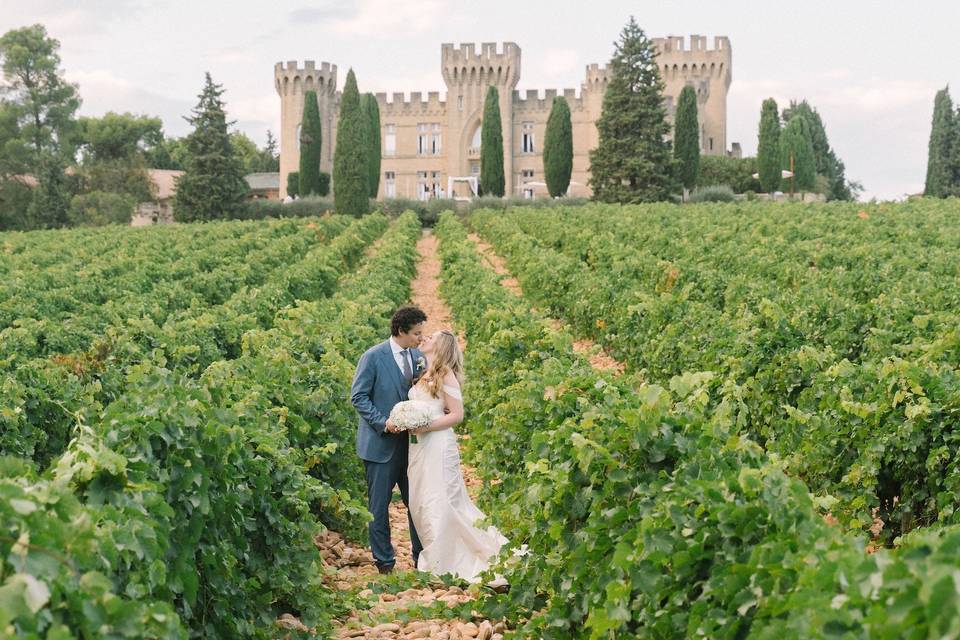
(398, 355)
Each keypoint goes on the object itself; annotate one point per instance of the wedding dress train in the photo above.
(442, 511)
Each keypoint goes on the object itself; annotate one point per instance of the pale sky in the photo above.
(870, 68)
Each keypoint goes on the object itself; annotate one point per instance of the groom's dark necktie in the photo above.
(407, 372)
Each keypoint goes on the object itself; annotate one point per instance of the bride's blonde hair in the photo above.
(447, 357)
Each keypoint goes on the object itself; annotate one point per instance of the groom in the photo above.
(384, 375)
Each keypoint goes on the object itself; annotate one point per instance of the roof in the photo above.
(164, 181)
(263, 181)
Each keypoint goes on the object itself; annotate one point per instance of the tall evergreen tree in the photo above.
(270, 156)
(795, 142)
(39, 126)
(212, 186)
(686, 137)
(311, 135)
(633, 162)
(558, 148)
(350, 164)
(41, 101)
(491, 146)
(371, 115)
(942, 146)
(827, 163)
(768, 146)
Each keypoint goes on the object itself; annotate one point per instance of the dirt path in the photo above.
(383, 616)
(593, 352)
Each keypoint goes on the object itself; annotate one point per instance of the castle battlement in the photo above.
(678, 48)
(491, 64)
(531, 100)
(292, 79)
(397, 103)
(596, 76)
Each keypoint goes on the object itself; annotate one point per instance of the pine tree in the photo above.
(491, 146)
(686, 137)
(350, 165)
(212, 186)
(768, 146)
(633, 161)
(271, 156)
(558, 148)
(795, 142)
(371, 115)
(941, 149)
(311, 135)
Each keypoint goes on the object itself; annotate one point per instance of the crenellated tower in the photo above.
(292, 82)
(467, 73)
(708, 71)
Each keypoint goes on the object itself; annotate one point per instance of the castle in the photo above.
(428, 142)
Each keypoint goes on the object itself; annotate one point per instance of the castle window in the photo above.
(526, 138)
(475, 168)
(390, 184)
(390, 140)
(428, 139)
(435, 139)
(423, 189)
(526, 176)
(459, 103)
(711, 144)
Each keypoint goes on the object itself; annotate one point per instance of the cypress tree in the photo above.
(768, 146)
(491, 146)
(212, 186)
(293, 184)
(558, 148)
(826, 161)
(371, 115)
(633, 161)
(941, 148)
(686, 138)
(796, 141)
(311, 135)
(350, 165)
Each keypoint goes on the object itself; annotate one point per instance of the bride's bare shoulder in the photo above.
(450, 380)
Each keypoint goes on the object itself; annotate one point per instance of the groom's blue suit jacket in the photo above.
(377, 386)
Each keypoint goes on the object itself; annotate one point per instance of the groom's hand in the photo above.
(392, 428)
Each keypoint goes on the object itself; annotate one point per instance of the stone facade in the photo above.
(427, 140)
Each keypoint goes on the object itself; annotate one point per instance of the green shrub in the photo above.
(713, 193)
(300, 208)
(98, 208)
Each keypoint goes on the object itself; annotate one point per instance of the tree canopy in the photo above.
(633, 161)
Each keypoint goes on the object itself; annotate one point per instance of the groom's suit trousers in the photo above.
(381, 478)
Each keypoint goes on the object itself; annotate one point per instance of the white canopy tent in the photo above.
(470, 180)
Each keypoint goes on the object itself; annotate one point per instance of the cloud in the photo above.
(311, 15)
(103, 91)
(375, 17)
(551, 66)
(69, 19)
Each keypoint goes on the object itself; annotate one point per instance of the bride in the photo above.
(442, 511)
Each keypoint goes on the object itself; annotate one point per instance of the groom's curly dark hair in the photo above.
(405, 318)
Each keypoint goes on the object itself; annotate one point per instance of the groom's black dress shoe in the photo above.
(385, 570)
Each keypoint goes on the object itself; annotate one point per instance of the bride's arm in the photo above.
(453, 403)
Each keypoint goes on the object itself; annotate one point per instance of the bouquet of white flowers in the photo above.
(410, 414)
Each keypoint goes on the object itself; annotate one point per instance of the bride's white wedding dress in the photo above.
(442, 511)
